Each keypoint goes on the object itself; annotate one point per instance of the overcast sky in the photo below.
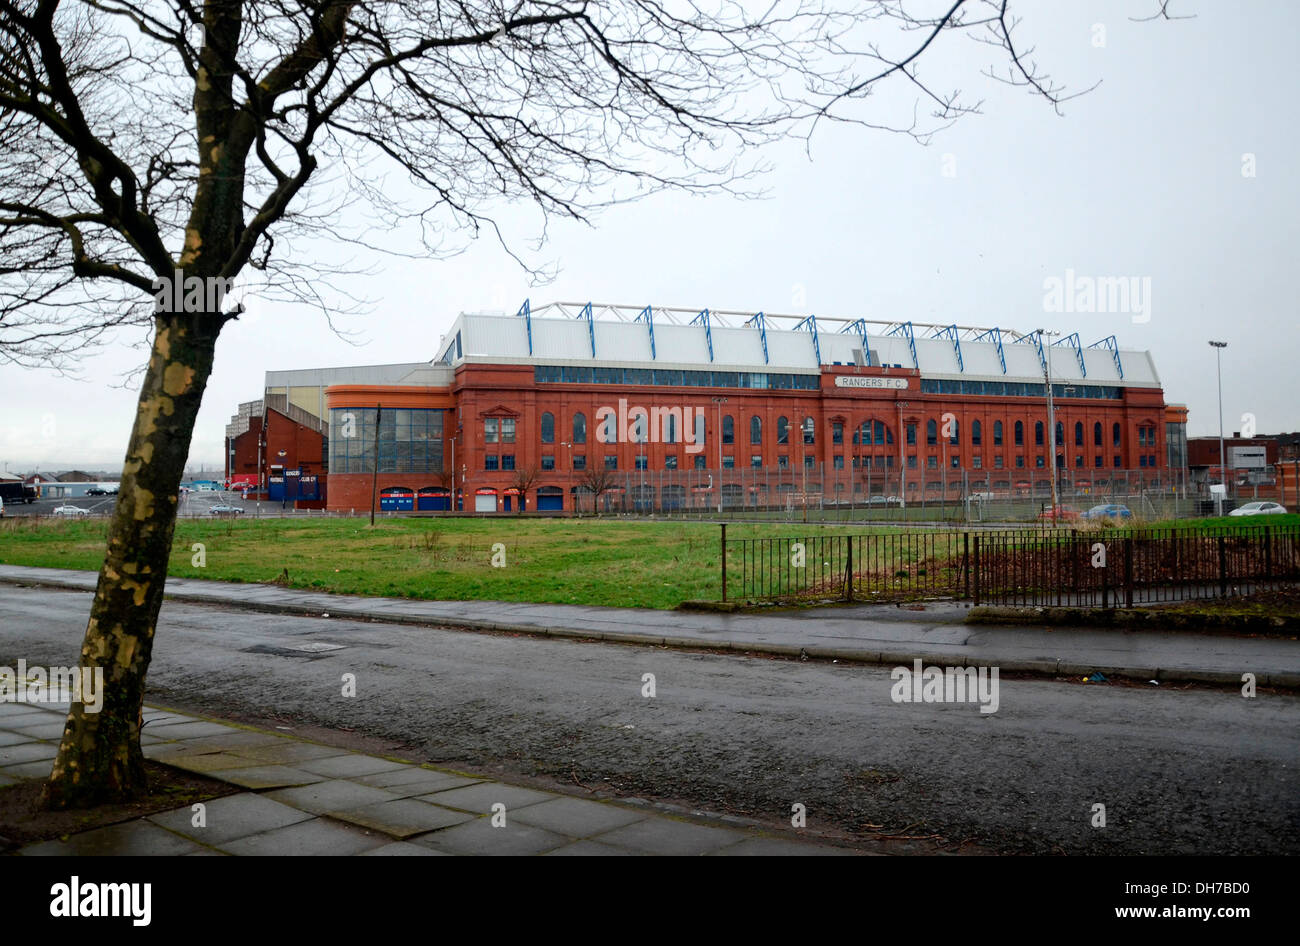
(1143, 177)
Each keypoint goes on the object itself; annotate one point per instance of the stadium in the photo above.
(573, 407)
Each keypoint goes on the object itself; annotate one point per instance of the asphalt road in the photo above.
(1179, 770)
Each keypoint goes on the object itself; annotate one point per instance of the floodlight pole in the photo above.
(1223, 469)
(1051, 420)
(717, 406)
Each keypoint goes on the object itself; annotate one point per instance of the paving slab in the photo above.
(134, 838)
(316, 837)
(589, 849)
(404, 849)
(263, 777)
(194, 728)
(43, 730)
(414, 780)
(204, 762)
(231, 818)
(577, 817)
(331, 795)
(479, 837)
(10, 738)
(27, 752)
(39, 769)
(664, 836)
(402, 818)
(350, 765)
(480, 798)
(286, 752)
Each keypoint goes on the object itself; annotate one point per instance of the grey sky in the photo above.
(1142, 177)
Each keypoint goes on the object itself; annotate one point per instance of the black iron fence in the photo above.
(1104, 567)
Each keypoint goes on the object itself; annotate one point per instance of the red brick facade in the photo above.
(501, 393)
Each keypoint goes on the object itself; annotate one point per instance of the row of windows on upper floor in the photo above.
(578, 462)
(1019, 389)
(867, 433)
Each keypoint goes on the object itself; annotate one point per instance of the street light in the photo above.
(1223, 470)
(717, 406)
(1051, 418)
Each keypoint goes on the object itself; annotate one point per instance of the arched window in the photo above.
(1020, 433)
(579, 428)
(975, 433)
(1060, 434)
(1038, 433)
(782, 430)
(997, 433)
(755, 430)
(548, 427)
(1096, 434)
(728, 429)
(1115, 434)
(1078, 433)
(931, 432)
(809, 430)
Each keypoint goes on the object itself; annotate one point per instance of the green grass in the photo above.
(621, 563)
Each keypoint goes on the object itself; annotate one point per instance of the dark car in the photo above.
(96, 491)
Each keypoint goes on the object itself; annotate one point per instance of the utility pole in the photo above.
(374, 482)
(1051, 418)
(1223, 469)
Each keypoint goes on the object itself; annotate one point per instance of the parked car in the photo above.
(1109, 511)
(1259, 509)
(223, 509)
(69, 511)
(1059, 514)
(96, 491)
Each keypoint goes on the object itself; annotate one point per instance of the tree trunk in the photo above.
(99, 759)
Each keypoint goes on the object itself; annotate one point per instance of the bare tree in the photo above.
(153, 149)
(524, 480)
(598, 481)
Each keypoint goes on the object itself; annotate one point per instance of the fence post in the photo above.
(1268, 554)
(724, 563)
(1223, 567)
(976, 570)
(965, 559)
(848, 574)
(1128, 571)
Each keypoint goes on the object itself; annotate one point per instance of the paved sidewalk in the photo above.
(308, 799)
(872, 633)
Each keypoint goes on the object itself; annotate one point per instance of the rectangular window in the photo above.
(1096, 461)
(977, 462)
(911, 462)
(956, 462)
(808, 462)
(932, 463)
(783, 462)
(838, 463)
(670, 463)
(641, 461)
(1078, 460)
(548, 462)
(997, 462)
(728, 463)
(1117, 461)
(611, 461)
(756, 461)
(699, 462)
(507, 461)
(1020, 462)
(507, 430)
(1038, 461)
(491, 462)
(490, 427)
(837, 433)
(911, 434)
(580, 461)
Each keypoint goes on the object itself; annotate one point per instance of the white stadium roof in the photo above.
(565, 333)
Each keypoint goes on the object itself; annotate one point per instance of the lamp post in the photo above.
(717, 406)
(1223, 469)
(1051, 418)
